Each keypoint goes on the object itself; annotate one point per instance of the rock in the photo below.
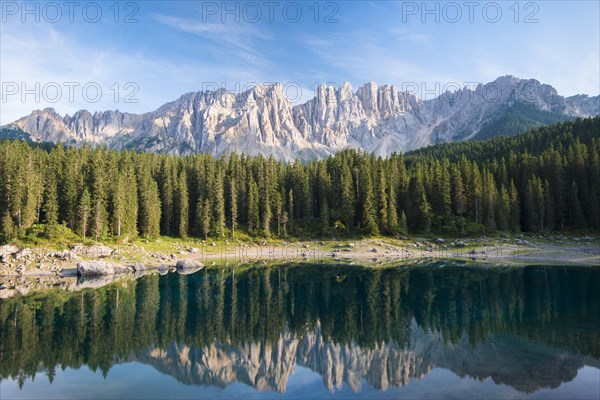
(461, 244)
(23, 254)
(193, 250)
(439, 241)
(138, 267)
(351, 244)
(63, 255)
(428, 248)
(8, 249)
(188, 266)
(373, 250)
(163, 269)
(91, 268)
(2, 287)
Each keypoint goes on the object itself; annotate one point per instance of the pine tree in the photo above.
(8, 227)
(421, 210)
(459, 199)
(233, 204)
(347, 195)
(392, 211)
(85, 209)
(403, 227)
(253, 207)
(167, 195)
(381, 199)
(205, 219)
(99, 192)
(51, 205)
(502, 209)
(575, 211)
(549, 208)
(183, 203)
(149, 204)
(290, 206)
(368, 220)
(515, 208)
(219, 205)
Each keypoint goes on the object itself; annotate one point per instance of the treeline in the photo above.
(541, 181)
(351, 306)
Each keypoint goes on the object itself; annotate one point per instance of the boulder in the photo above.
(8, 249)
(461, 244)
(186, 267)
(138, 267)
(91, 268)
(23, 254)
(439, 241)
(163, 269)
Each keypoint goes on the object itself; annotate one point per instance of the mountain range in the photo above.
(261, 120)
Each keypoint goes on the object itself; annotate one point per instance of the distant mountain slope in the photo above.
(379, 119)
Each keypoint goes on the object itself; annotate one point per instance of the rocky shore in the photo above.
(25, 269)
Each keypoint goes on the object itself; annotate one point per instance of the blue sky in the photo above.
(170, 48)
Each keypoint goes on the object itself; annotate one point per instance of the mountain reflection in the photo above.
(529, 328)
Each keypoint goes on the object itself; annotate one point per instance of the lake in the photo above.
(310, 331)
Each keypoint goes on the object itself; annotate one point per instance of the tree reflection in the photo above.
(347, 323)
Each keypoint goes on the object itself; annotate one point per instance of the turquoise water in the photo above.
(311, 332)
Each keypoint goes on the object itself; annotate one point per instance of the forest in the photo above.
(545, 180)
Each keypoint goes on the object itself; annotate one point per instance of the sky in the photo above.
(135, 56)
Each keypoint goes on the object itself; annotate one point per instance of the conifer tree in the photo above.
(515, 208)
(253, 207)
(51, 205)
(183, 203)
(368, 220)
(348, 197)
(84, 211)
(219, 204)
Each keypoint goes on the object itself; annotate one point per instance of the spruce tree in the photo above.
(84, 211)
(183, 203)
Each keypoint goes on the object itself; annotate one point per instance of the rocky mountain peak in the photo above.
(261, 120)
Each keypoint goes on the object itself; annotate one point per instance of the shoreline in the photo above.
(27, 270)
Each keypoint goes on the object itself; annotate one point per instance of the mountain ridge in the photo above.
(261, 120)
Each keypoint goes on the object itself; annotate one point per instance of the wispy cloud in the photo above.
(237, 36)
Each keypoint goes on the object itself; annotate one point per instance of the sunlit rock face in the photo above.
(376, 118)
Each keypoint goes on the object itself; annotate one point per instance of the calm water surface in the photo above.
(311, 331)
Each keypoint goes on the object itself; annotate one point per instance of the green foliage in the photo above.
(518, 118)
(546, 179)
